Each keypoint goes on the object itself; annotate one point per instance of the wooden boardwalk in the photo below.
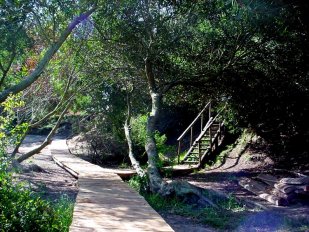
(104, 202)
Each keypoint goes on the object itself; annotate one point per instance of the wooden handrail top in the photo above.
(209, 123)
(194, 121)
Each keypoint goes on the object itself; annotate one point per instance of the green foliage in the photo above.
(20, 208)
(227, 217)
(231, 121)
(138, 183)
(11, 134)
(139, 136)
(23, 210)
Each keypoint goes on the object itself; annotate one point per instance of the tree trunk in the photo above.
(156, 182)
(19, 144)
(48, 138)
(181, 189)
(127, 130)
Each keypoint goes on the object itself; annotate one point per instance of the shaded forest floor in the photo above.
(44, 176)
(244, 162)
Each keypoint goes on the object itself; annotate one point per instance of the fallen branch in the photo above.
(261, 191)
(295, 181)
(69, 170)
(268, 179)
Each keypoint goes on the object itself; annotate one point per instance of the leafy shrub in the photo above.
(23, 210)
(139, 135)
(9, 132)
(20, 208)
(105, 148)
(138, 183)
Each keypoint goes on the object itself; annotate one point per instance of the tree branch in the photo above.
(27, 81)
(48, 138)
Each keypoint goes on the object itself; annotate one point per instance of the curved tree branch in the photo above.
(27, 81)
(48, 138)
(127, 130)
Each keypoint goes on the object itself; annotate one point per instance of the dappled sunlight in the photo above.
(104, 201)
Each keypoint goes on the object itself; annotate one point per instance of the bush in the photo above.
(139, 136)
(23, 210)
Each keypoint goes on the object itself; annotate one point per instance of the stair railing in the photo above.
(199, 118)
(214, 139)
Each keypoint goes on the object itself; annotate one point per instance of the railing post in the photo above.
(210, 137)
(179, 144)
(198, 150)
(202, 120)
(191, 136)
(209, 110)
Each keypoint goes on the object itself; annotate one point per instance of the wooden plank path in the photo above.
(104, 202)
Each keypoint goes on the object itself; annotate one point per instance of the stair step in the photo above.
(193, 152)
(201, 149)
(201, 146)
(192, 155)
(215, 125)
(191, 162)
(192, 158)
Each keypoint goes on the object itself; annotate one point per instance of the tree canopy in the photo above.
(250, 56)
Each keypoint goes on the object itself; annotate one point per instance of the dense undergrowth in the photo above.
(20, 208)
(24, 210)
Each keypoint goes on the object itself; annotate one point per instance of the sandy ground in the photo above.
(42, 174)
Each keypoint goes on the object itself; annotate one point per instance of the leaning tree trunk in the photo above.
(48, 138)
(156, 182)
(127, 130)
(181, 189)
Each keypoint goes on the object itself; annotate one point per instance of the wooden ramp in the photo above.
(104, 202)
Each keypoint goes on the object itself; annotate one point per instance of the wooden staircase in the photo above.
(201, 137)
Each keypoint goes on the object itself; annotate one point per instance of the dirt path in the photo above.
(43, 175)
(242, 163)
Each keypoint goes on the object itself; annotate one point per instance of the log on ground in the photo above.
(260, 190)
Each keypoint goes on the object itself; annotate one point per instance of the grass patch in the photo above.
(227, 217)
